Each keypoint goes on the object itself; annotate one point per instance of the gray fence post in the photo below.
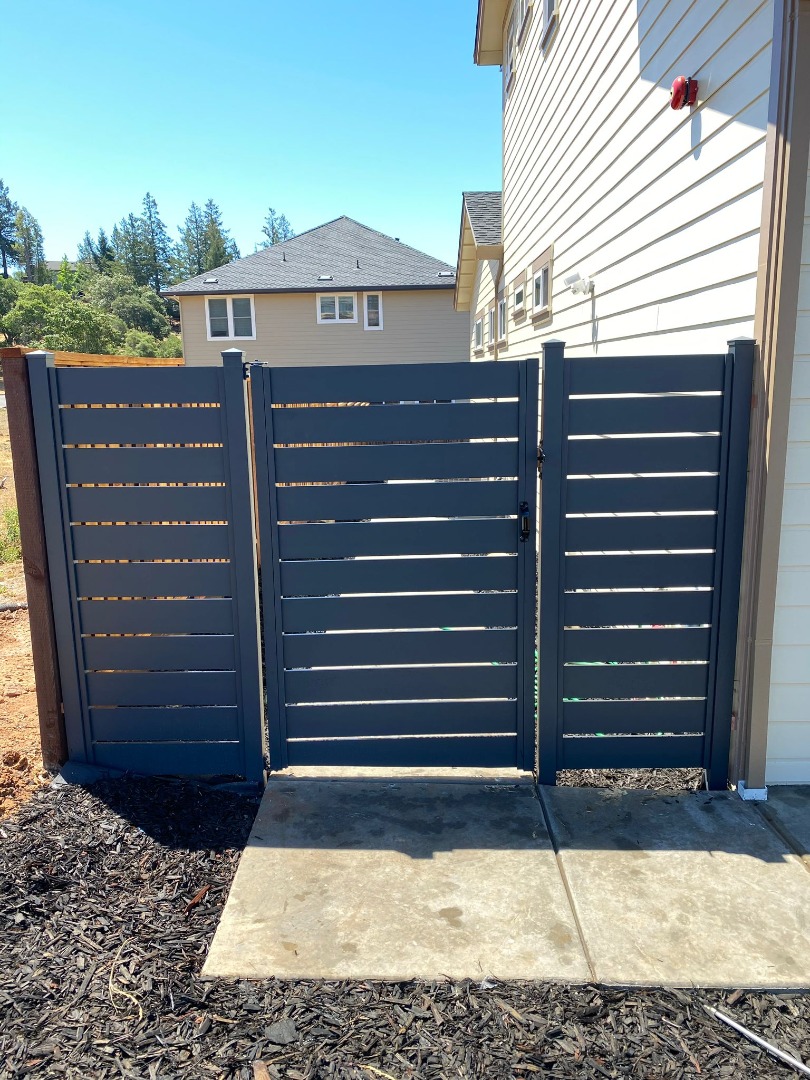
(554, 435)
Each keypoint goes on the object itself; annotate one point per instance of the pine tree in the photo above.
(189, 252)
(30, 246)
(98, 254)
(276, 229)
(8, 229)
(157, 245)
(131, 248)
(219, 247)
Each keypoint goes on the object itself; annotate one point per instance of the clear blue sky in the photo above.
(374, 110)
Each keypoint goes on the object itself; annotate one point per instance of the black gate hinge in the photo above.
(541, 457)
(246, 369)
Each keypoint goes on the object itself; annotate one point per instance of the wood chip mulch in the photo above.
(109, 898)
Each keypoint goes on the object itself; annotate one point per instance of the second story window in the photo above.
(550, 19)
(336, 308)
(491, 327)
(372, 311)
(509, 50)
(541, 285)
(501, 319)
(478, 334)
(230, 317)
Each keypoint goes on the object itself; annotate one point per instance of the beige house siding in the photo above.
(660, 208)
(485, 297)
(788, 759)
(418, 326)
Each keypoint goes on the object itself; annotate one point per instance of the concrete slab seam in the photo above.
(783, 834)
(564, 878)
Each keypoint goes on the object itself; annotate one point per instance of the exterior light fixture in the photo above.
(578, 284)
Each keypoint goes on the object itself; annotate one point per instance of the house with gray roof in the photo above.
(340, 293)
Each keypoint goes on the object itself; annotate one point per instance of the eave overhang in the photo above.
(489, 32)
(469, 255)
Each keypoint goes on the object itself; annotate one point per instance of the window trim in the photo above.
(366, 295)
(491, 327)
(541, 264)
(551, 18)
(518, 310)
(337, 321)
(525, 20)
(229, 298)
(502, 318)
(478, 332)
(509, 49)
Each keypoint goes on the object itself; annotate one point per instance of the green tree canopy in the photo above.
(98, 254)
(219, 247)
(8, 229)
(276, 229)
(137, 306)
(52, 319)
(157, 244)
(190, 249)
(130, 246)
(30, 246)
(9, 292)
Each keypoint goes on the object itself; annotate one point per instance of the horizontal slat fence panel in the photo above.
(635, 645)
(401, 718)
(642, 494)
(634, 680)
(646, 375)
(688, 532)
(148, 503)
(619, 416)
(389, 684)
(140, 465)
(638, 571)
(397, 461)
(354, 502)
(398, 612)
(633, 717)
(122, 386)
(191, 723)
(412, 647)
(193, 652)
(394, 423)
(156, 616)
(677, 454)
(179, 579)
(150, 542)
(645, 752)
(139, 425)
(184, 758)
(393, 382)
(461, 752)
(637, 609)
(162, 688)
(320, 578)
(478, 537)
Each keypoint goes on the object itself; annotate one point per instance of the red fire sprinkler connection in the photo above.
(684, 92)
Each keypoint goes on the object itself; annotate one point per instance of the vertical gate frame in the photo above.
(527, 563)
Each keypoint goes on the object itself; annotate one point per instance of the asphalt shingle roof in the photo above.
(355, 256)
(484, 209)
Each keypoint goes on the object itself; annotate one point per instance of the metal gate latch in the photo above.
(525, 524)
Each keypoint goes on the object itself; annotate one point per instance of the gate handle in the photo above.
(525, 523)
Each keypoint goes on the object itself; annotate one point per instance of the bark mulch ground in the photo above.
(109, 898)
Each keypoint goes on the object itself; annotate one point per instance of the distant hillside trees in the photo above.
(276, 229)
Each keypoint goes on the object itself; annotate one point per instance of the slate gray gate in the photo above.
(147, 505)
(643, 491)
(398, 562)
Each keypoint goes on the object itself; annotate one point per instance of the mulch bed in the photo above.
(662, 781)
(109, 898)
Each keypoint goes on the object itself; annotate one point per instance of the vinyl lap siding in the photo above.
(788, 758)
(483, 298)
(661, 208)
(418, 327)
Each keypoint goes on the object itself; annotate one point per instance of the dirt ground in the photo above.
(21, 770)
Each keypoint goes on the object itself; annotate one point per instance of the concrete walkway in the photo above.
(402, 879)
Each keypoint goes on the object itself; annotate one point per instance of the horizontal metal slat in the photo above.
(691, 453)
(172, 758)
(486, 752)
(645, 374)
(141, 465)
(322, 577)
(382, 684)
(653, 644)
(637, 493)
(142, 542)
(640, 533)
(615, 416)
(138, 425)
(195, 652)
(397, 461)
(138, 386)
(156, 616)
(634, 609)
(398, 538)
(193, 723)
(396, 423)
(147, 503)
(354, 502)
(393, 382)
(397, 612)
(414, 647)
(646, 752)
(154, 579)
(635, 680)
(402, 718)
(637, 571)
(633, 717)
(162, 688)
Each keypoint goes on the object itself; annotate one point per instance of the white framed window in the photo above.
(336, 307)
(540, 290)
(522, 9)
(478, 334)
(372, 311)
(501, 319)
(491, 327)
(551, 14)
(509, 50)
(230, 317)
(519, 297)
